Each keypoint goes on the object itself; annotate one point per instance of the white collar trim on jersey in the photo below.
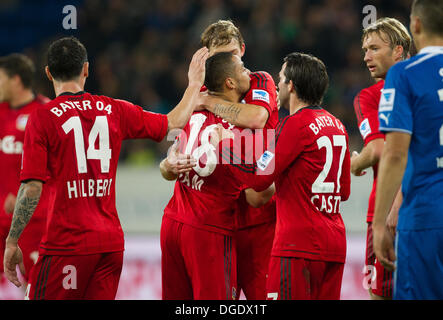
(431, 49)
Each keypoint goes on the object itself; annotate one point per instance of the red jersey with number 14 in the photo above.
(77, 137)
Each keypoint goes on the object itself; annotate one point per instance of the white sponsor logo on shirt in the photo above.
(385, 118)
(264, 160)
(9, 146)
(260, 95)
(365, 128)
(387, 100)
(21, 122)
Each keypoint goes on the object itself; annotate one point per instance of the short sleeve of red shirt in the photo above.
(35, 149)
(138, 123)
(262, 91)
(366, 109)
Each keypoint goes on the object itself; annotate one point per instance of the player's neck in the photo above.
(295, 104)
(429, 41)
(231, 96)
(21, 98)
(69, 86)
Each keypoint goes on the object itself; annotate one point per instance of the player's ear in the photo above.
(398, 53)
(85, 71)
(415, 25)
(243, 49)
(48, 74)
(291, 86)
(229, 82)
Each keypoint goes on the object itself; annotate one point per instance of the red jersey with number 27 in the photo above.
(366, 109)
(311, 169)
(77, 138)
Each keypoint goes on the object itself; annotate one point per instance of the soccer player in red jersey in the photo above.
(197, 234)
(311, 169)
(255, 211)
(385, 42)
(77, 137)
(18, 101)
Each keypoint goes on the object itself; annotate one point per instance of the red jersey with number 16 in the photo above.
(77, 138)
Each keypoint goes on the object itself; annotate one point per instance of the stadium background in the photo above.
(139, 50)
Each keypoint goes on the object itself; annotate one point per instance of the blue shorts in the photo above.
(419, 272)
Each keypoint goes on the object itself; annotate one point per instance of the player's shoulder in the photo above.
(262, 78)
(41, 99)
(373, 90)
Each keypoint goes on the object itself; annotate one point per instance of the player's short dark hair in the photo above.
(430, 13)
(65, 58)
(309, 76)
(20, 65)
(218, 67)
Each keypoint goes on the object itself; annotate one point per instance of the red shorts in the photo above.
(254, 246)
(379, 280)
(301, 279)
(196, 264)
(82, 277)
(29, 243)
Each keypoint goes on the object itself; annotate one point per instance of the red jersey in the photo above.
(77, 138)
(366, 109)
(262, 93)
(204, 197)
(12, 135)
(311, 170)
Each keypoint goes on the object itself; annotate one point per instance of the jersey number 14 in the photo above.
(99, 130)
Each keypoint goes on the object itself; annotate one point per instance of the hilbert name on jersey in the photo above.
(83, 105)
(88, 188)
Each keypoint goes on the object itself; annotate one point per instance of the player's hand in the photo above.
(219, 133)
(196, 73)
(177, 162)
(9, 203)
(391, 220)
(13, 256)
(356, 171)
(202, 101)
(383, 243)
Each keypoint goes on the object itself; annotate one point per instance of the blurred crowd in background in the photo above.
(139, 50)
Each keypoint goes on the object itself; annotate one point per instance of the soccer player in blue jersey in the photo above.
(411, 114)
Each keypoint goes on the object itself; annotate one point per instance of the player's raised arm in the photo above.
(180, 115)
(239, 114)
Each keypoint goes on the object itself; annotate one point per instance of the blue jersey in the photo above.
(412, 102)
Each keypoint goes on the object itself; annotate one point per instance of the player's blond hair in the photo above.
(221, 33)
(394, 30)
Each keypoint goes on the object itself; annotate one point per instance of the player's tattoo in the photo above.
(227, 112)
(24, 208)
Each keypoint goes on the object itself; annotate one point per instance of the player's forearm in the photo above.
(390, 175)
(239, 114)
(368, 157)
(27, 200)
(180, 115)
(258, 199)
(166, 173)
